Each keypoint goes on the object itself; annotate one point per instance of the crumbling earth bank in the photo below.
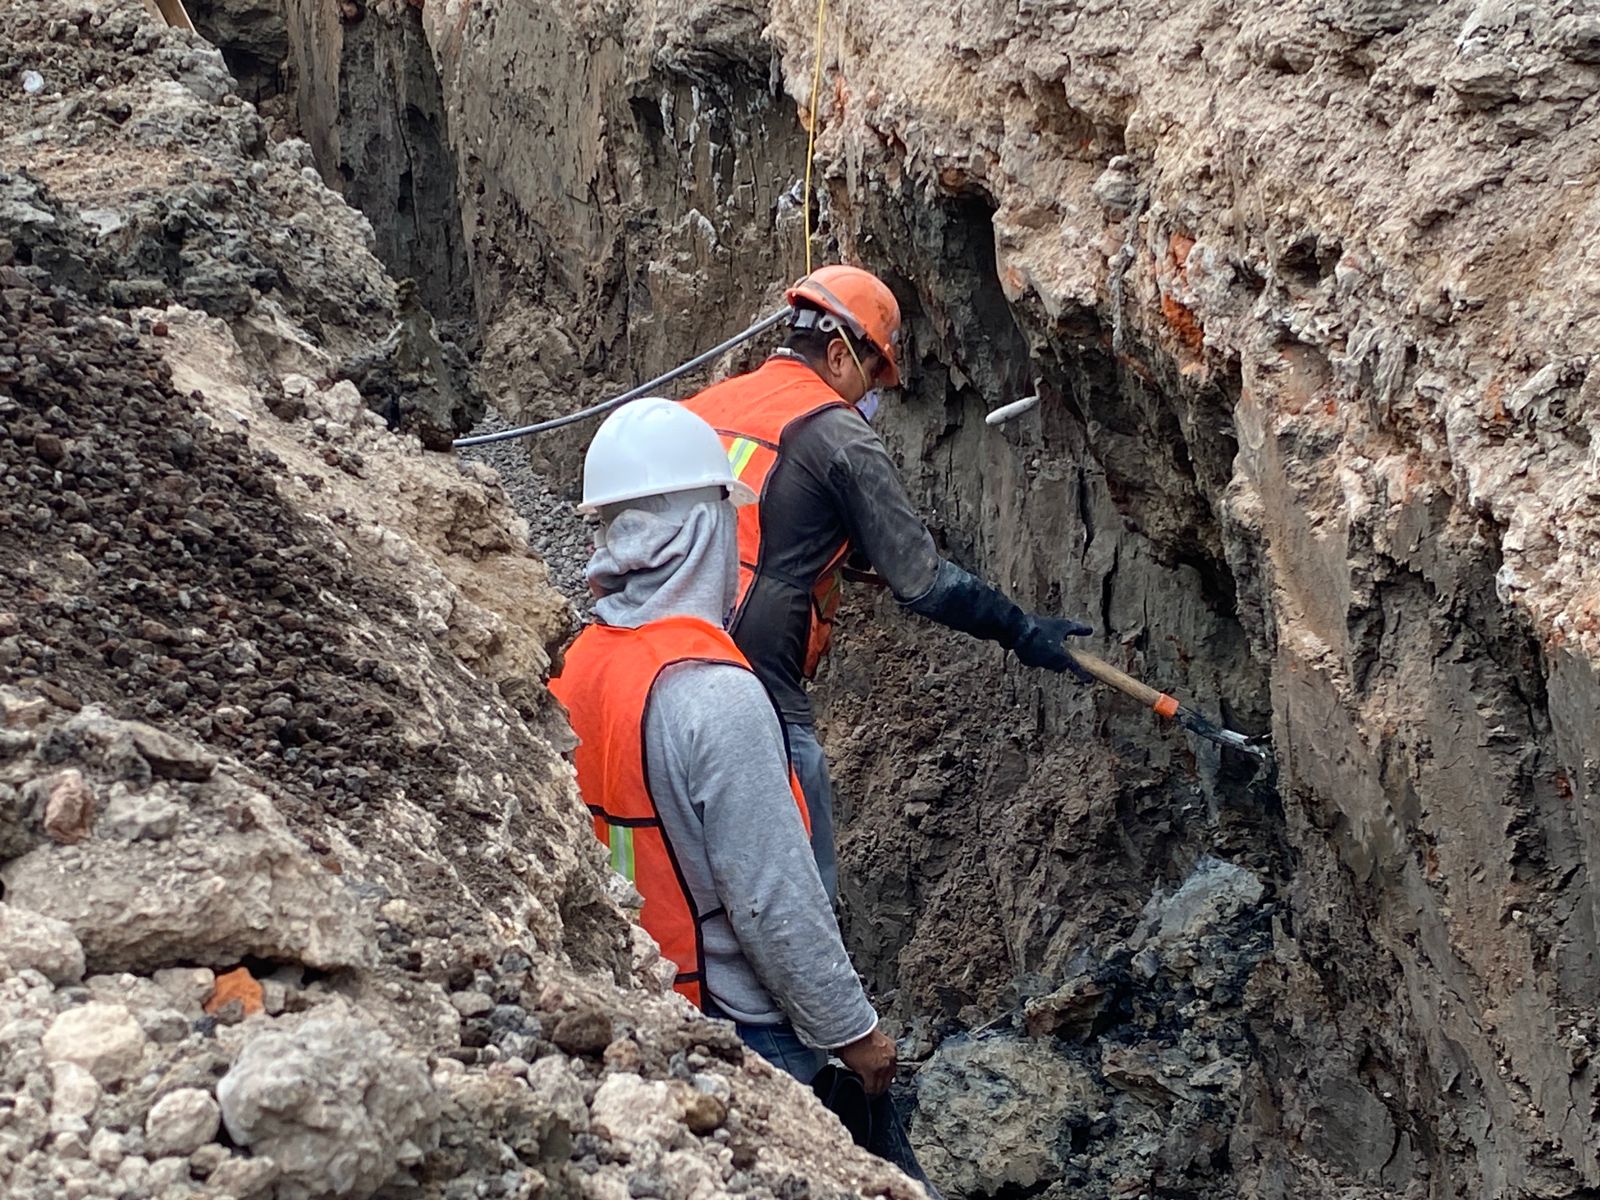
(298, 897)
(1309, 292)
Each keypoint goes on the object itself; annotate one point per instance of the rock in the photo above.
(204, 1162)
(189, 987)
(702, 1112)
(164, 1026)
(58, 695)
(236, 987)
(105, 1149)
(244, 1178)
(1148, 1071)
(1580, 37)
(624, 1055)
(1071, 1010)
(32, 941)
(1225, 1074)
(215, 894)
(165, 1173)
(333, 1102)
(990, 1115)
(1117, 188)
(636, 1112)
(69, 806)
(1484, 82)
(104, 1039)
(133, 817)
(713, 1085)
(551, 1079)
(75, 1092)
(274, 996)
(134, 1173)
(472, 1004)
(181, 1122)
(1214, 894)
(171, 757)
(21, 711)
(584, 1032)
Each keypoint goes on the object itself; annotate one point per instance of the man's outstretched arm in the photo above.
(887, 530)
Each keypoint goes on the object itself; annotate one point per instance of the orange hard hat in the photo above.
(863, 302)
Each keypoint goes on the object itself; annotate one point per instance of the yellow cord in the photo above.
(811, 138)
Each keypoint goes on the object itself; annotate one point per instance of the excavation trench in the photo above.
(1127, 963)
(1003, 832)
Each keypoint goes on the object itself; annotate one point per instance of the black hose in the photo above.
(505, 435)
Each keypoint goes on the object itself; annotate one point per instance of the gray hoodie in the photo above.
(719, 776)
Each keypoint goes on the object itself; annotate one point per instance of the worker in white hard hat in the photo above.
(682, 759)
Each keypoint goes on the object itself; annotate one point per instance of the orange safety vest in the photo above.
(751, 413)
(605, 684)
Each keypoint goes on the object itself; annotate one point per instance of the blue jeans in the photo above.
(778, 1044)
(811, 768)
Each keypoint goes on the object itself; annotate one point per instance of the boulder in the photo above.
(33, 941)
(103, 1039)
(333, 1102)
(181, 1122)
(215, 891)
(990, 1114)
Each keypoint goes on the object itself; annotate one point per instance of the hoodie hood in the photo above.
(667, 556)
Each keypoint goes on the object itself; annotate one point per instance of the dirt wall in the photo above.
(1316, 254)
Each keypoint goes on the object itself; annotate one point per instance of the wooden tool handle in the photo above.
(1165, 705)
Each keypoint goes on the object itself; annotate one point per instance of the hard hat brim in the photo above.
(739, 494)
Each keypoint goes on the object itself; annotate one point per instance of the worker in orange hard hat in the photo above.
(797, 431)
(849, 298)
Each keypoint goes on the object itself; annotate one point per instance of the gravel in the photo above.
(558, 533)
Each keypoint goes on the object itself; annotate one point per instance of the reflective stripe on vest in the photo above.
(751, 413)
(605, 684)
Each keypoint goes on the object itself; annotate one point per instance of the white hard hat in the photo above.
(653, 447)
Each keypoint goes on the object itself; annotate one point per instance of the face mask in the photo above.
(867, 406)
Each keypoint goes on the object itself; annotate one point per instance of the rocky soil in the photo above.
(1308, 291)
(297, 897)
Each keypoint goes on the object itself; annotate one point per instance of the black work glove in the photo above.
(963, 601)
(1039, 643)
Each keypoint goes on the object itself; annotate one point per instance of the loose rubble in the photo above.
(558, 533)
(1126, 1078)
